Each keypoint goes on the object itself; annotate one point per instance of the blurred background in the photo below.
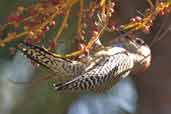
(147, 93)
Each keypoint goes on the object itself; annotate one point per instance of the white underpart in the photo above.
(147, 54)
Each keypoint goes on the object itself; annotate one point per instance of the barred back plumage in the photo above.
(106, 67)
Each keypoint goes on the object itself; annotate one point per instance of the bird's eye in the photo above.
(140, 41)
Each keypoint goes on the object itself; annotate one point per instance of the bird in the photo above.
(110, 65)
(105, 65)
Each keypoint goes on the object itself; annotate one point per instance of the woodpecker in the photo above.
(110, 65)
(105, 67)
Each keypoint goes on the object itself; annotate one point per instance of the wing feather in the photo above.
(55, 63)
(104, 73)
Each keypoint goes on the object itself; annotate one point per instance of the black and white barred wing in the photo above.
(60, 66)
(104, 74)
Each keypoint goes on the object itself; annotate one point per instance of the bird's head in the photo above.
(141, 53)
(138, 49)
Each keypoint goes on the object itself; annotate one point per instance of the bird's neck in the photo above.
(141, 63)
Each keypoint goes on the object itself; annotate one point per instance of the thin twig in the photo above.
(62, 26)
